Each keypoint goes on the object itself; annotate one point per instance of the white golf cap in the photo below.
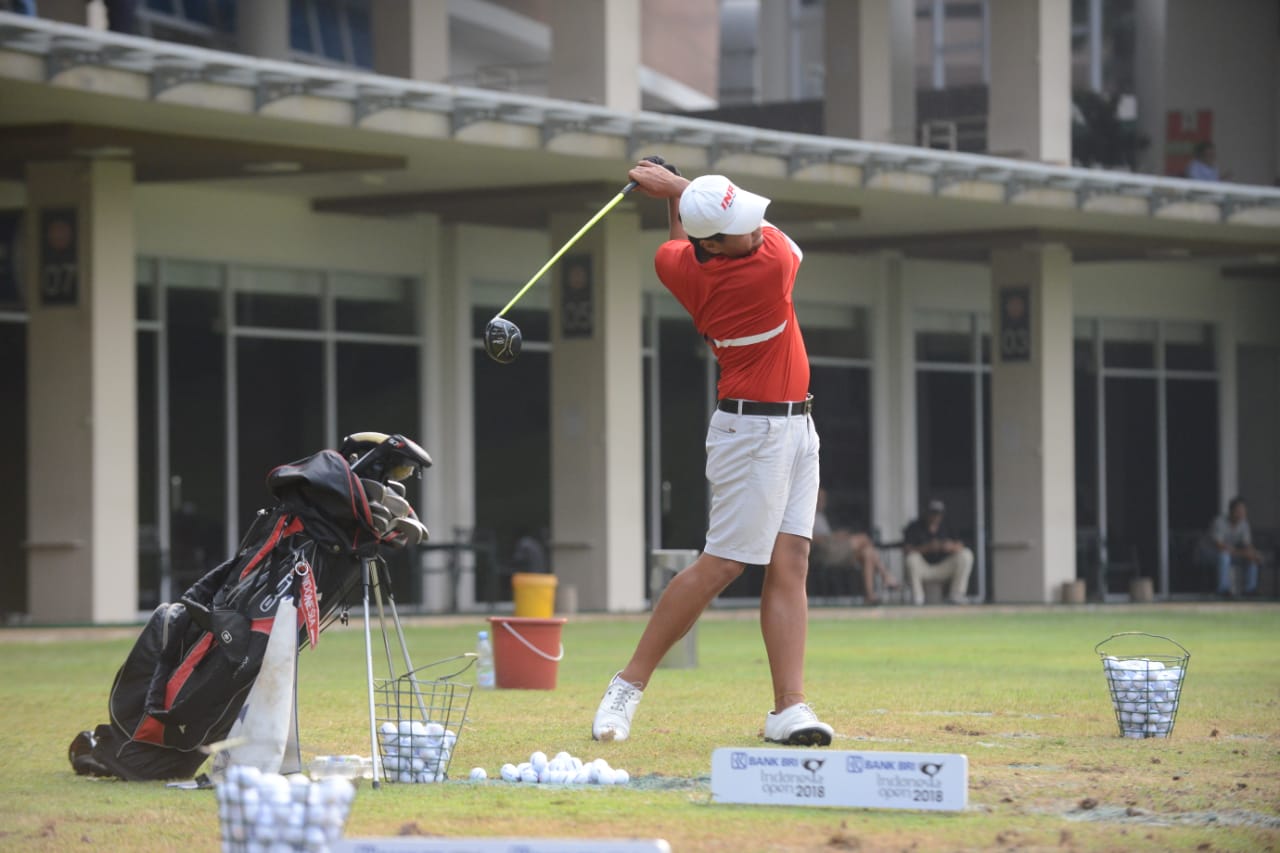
(712, 205)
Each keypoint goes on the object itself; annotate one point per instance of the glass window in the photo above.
(944, 338)
(370, 303)
(197, 382)
(842, 416)
(1192, 459)
(1129, 343)
(145, 292)
(512, 434)
(1189, 346)
(835, 331)
(300, 26)
(360, 28)
(280, 410)
(283, 299)
(336, 31)
(198, 11)
(327, 16)
(378, 391)
(149, 554)
(13, 468)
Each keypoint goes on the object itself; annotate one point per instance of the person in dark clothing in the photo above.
(932, 554)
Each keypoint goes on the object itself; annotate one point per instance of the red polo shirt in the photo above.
(731, 299)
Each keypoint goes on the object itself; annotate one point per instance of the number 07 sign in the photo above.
(1015, 323)
(824, 777)
(59, 257)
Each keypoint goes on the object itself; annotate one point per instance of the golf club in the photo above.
(502, 337)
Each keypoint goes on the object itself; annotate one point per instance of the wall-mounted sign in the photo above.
(1015, 323)
(59, 257)
(577, 300)
(10, 242)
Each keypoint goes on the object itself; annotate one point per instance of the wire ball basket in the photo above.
(419, 720)
(1146, 689)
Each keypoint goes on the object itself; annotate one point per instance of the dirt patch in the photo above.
(1091, 810)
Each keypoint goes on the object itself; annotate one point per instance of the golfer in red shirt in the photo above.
(734, 273)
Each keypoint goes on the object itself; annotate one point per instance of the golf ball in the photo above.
(478, 774)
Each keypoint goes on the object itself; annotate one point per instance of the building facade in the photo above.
(224, 257)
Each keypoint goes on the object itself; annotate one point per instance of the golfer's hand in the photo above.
(657, 181)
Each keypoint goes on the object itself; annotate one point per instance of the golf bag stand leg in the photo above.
(368, 568)
(374, 578)
(404, 647)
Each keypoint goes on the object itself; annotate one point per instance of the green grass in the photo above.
(1020, 692)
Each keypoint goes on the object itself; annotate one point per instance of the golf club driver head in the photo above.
(502, 340)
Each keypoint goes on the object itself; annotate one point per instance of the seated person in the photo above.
(530, 554)
(843, 548)
(1234, 542)
(932, 555)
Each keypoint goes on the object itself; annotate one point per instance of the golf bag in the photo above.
(189, 672)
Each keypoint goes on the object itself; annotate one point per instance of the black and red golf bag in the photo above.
(190, 670)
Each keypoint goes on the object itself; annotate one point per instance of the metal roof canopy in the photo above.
(880, 166)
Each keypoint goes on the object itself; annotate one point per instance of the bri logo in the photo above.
(727, 201)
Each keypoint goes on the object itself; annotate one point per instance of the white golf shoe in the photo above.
(797, 726)
(617, 707)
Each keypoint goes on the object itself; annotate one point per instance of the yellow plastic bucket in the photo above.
(534, 594)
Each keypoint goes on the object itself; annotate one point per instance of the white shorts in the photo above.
(763, 473)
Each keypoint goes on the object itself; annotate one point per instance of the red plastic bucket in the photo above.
(526, 651)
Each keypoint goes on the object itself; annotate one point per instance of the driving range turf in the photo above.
(1020, 691)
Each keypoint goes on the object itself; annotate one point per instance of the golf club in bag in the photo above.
(183, 684)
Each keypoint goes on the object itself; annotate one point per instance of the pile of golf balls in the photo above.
(415, 752)
(267, 811)
(1145, 695)
(564, 769)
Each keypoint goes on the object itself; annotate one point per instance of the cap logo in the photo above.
(727, 201)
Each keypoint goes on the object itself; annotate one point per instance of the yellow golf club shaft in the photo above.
(569, 245)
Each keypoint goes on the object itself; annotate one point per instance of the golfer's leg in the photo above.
(682, 602)
(784, 617)
(961, 564)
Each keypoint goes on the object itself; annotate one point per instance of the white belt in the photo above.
(750, 339)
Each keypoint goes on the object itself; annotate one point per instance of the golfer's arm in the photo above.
(676, 228)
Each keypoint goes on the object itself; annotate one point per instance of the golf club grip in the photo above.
(657, 160)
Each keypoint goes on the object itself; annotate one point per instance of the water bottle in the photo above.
(484, 661)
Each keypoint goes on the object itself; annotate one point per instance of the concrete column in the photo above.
(411, 39)
(1029, 112)
(1032, 424)
(893, 446)
(774, 45)
(82, 461)
(869, 88)
(448, 410)
(67, 11)
(595, 52)
(597, 414)
(262, 27)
